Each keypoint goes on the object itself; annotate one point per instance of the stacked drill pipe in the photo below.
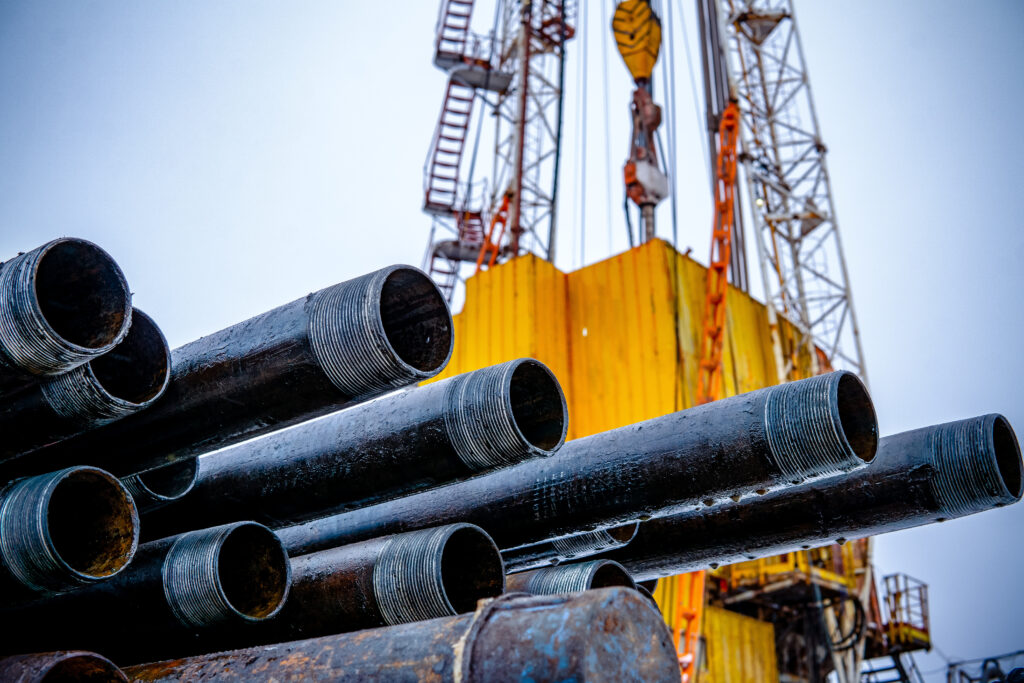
(123, 381)
(61, 305)
(756, 441)
(334, 348)
(918, 477)
(63, 667)
(570, 578)
(445, 431)
(568, 549)
(180, 595)
(603, 635)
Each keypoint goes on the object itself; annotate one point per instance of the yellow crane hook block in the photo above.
(637, 32)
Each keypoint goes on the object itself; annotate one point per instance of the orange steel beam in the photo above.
(491, 247)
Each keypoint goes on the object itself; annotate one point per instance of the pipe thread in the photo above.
(567, 578)
(146, 499)
(804, 429)
(78, 396)
(967, 477)
(589, 543)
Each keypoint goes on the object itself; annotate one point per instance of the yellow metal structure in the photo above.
(637, 33)
(833, 567)
(739, 649)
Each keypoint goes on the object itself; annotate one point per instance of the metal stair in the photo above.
(442, 172)
(897, 668)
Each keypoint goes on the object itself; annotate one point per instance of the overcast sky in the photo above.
(233, 156)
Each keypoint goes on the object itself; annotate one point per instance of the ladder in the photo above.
(442, 172)
(894, 670)
(452, 32)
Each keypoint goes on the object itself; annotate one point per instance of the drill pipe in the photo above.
(61, 305)
(124, 381)
(610, 634)
(918, 477)
(64, 530)
(409, 440)
(547, 553)
(333, 348)
(388, 581)
(181, 594)
(570, 578)
(153, 489)
(67, 667)
(811, 428)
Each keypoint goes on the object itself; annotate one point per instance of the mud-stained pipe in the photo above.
(570, 578)
(918, 477)
(508, 639)
(807, 429)
(73, 666)
(62, 304)
(568, 549)
(333, 348)
(181, 594)
(431, 435)
(64, 530)
(124, 381)
(155, 488)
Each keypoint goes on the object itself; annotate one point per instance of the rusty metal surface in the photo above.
(704, 455)
(603, 635)
(72, 666)
(917, 477)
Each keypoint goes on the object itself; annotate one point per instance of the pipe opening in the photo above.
(610, 574)
(82, 294)
(92, 523)
(83, 666)
(416, 320)
(171, 482)
(137, 369)
(1008, 457)
(623, 534)
(538, 407)
(857, 417)
(471, 569)
(253, 571)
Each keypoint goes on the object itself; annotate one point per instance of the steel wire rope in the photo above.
(605, 28)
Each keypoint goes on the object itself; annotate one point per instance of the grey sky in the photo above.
(236, 155)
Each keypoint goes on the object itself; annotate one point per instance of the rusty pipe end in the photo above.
(821, 426)
(124, 381)
(155, 488)
(236, 572)
(593, 542)
(436, 572)
(505, 414)
(977, 463)
(67, 666)
(66, 529)
(61, 305)
(381, 331)
(571, 578)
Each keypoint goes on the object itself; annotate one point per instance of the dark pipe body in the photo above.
(918, 477)
(740, 444)
(61, 305)
(185, 593)
(401, 442)
(567, 549)
(124, 381)
(63, 667)
(570, 578)
(603, 635)
(333, 348)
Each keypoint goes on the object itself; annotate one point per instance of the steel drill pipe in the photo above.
(155, 488)
(182, 594)
(334, 348)
(124, 381)
(567, 549)
(918, 477)
(431, 435)
(73, 666)
(604, 635)
(61, 305)
(64, 530)
(812, 428)
(570, 578)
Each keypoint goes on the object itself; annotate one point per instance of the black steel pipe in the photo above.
(570, 578)
(124, 381)
(64, 530)
(409, 440)
(181, 594)
(333, 348)
(812, 428)
(62, 304)
(603, 635)
(918, 477)
(570, 548)
(153, 489)
(73, 666)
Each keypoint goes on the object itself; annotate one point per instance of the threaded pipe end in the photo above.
(505, 414)
(436, 572)
(381, 331)
(593, 542)
(155, 488)
(977, 465)
(572, 578)
(67, 529)
(65, 665)
(61, 305)
(821, 426)
(229, 573)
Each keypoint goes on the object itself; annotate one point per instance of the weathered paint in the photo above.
(739, 649)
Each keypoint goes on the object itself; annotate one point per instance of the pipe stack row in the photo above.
(310, 510)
